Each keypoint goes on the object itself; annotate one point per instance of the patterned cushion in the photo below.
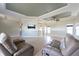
(55, 44)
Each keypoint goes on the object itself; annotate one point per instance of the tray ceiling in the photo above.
(34, 9)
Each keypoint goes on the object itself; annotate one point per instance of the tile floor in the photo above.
(38, 43)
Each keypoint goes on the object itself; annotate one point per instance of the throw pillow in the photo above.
(55, 44)
(18, 41)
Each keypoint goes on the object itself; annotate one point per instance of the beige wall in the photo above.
(59, 27)
(10, 25)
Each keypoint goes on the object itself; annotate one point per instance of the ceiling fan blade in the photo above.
(62, 15)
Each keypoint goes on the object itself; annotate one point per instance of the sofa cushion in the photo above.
(8, 44)
(63, 44)
(51, 51)
(17, 41)
(3, 37)
(72, 45)
(4, 51)
(55, 44)
(25, 49)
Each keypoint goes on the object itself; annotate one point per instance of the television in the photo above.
(31, 26)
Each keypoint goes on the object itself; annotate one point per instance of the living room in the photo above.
(37, 25)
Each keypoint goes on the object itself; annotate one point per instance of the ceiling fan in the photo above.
(58, 16)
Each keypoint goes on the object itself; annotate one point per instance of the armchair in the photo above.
(69, 47)
(15, 47)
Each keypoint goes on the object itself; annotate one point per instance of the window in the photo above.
(47, 30)
(70, 28)
(48, 39)
(77, 30)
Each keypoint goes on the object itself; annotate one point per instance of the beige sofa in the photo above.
(16, 46)
(69, 46)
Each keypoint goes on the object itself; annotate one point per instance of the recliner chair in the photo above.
(16, 47)
(69, 47)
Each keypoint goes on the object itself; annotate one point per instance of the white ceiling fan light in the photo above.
(58, 16)
(55, 18)
(52, 18)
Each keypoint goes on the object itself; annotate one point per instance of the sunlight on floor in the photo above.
(48, 39)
